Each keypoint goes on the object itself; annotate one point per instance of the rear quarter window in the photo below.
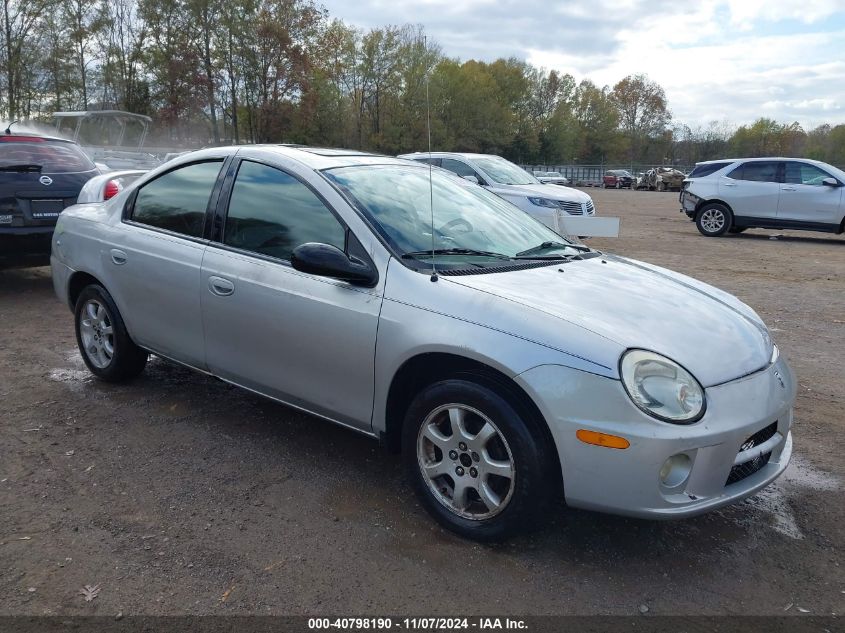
(705, 170)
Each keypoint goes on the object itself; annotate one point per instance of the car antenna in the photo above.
(430, 187)
(9, 127)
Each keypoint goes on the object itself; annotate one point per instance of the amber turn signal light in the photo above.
(602, 439)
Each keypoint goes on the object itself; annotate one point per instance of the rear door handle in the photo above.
(220, 287)
(729, 184)
(118, 256)
(787, 188)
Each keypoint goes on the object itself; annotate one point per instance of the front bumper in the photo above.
(628, 481)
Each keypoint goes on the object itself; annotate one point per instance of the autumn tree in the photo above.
(642, 109)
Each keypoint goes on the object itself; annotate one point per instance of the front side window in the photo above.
(804, 174)
(271, 212)
(177, 201)
(756, 171)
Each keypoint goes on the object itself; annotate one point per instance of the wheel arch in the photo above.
(426, 368)
(77, 283)
(704, 203)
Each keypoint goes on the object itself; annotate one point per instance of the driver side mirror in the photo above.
(831, 182)
(471, 179)
(326, 260)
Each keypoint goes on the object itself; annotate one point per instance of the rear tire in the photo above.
(713, 219)
(478, 464)
(102, 338)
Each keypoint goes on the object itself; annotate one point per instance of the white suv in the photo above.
(729, 196)
(541, 201)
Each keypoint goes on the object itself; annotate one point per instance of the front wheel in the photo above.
(474, 460)
(713, 219)
(102, 337)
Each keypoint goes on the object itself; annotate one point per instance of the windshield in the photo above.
(503, 171)
(467, 218)
(53, 157)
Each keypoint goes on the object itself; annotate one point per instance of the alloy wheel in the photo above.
(713, 220)
(97, 333)
(466, 461)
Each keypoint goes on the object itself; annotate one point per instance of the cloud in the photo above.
(716, 59)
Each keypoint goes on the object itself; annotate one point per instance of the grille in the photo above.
(741, 471)
(572, 208)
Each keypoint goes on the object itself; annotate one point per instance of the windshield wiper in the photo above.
(531, 253)
(453, 251)
(21, 167)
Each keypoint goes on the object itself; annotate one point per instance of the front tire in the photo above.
(713, 219)
(103, 341)
(478, 464)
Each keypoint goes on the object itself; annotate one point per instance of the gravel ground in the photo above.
(179, 494)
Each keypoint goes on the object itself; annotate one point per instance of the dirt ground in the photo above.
(179, 494)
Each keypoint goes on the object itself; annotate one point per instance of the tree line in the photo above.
(214, 71)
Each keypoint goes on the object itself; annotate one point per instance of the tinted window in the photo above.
(705, 170)
(804, 174)
(457, 167)
(54, 157)
(177, 200)
(757, 171)
(272, 213)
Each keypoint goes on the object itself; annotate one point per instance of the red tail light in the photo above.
(111, 190)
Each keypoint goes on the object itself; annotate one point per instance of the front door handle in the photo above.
(220, 287)
(117, 256)
(787, 188)
(729, 184)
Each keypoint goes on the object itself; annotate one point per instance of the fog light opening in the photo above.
(675, 470)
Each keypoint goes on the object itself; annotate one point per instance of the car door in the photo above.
(805, 199)
(155, 271)
(752, 189)
(300, 338)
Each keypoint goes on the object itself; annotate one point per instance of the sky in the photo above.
(730, 61)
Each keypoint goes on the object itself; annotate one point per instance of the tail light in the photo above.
(111, 190)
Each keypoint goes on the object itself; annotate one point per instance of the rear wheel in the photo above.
(478, 465)
(713, 219)
(102, 337)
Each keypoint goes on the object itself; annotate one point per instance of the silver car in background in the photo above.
(507, 364)
(733, 195)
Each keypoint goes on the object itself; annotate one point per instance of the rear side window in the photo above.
(757, 171)
(177, 201)
(705, 170)
(271, 212)
(53, 157)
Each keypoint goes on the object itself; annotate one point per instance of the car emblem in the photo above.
(780, 380)
(45, 180)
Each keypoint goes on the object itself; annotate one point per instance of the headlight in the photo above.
(661, 387)
(544, 202)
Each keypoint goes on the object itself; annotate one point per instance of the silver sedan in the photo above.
(507, 364)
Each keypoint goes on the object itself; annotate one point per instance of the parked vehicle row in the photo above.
(510, 366)
(730, 196)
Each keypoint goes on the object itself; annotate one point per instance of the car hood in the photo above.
(552, 192)
(711, 333)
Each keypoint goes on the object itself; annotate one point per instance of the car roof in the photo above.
(317, 158)
(448, 155)
(757, 159)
